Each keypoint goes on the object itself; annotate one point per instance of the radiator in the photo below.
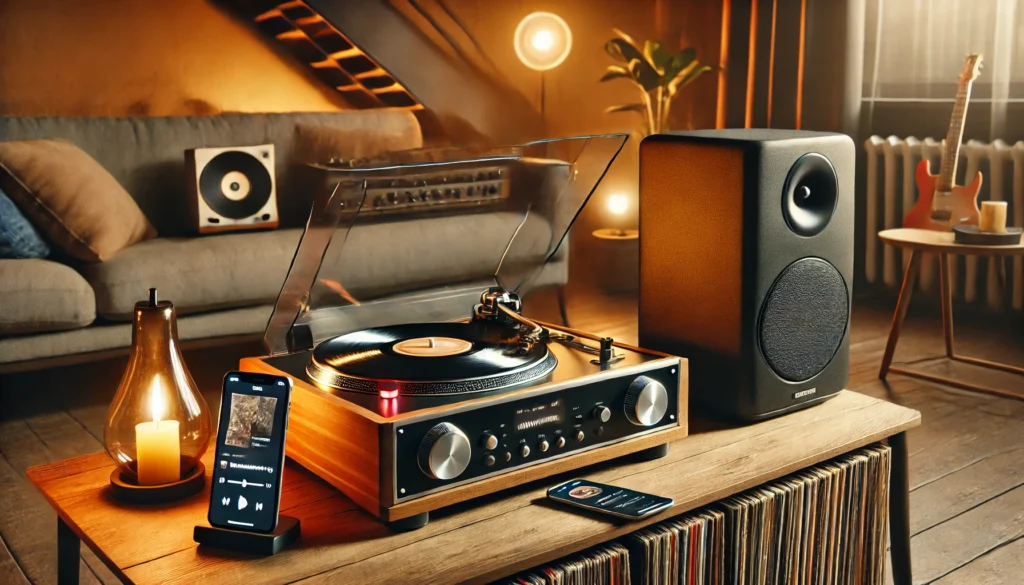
(890, 193)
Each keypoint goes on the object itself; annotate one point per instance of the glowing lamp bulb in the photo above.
(618, 204)
(543, 40)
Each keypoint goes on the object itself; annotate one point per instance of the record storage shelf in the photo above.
(485, 539)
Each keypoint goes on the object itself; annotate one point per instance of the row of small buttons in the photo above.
(489, 442)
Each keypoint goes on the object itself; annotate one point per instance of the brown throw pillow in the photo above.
(71, 198)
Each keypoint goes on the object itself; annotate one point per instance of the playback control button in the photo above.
(524, 450)
(579, 435)
(560, 442)
(543, 446)
(489, 460)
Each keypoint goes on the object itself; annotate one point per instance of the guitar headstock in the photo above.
(972, 68)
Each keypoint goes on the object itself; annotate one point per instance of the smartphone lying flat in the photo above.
(246, 492)
(608, 499)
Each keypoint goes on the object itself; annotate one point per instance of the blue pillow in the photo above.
(18, 239)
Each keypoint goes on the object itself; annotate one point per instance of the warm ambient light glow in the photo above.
(542, 41)
(618, 204)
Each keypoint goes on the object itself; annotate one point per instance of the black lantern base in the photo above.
(126, 489)
(254, 543)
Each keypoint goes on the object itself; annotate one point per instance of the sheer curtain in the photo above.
(915, 49)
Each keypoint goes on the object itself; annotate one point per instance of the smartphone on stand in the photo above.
(249, 461)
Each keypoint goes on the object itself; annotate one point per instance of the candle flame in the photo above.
(156, 400)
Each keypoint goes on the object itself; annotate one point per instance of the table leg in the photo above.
(68, 558)
(899, 511)
(909, 281)
(947, 303)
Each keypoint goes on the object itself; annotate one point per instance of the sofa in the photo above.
(59, 310)
(223, 286)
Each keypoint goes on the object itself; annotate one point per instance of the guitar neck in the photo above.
(951, 152)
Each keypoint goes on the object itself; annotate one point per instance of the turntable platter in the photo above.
(429, 359)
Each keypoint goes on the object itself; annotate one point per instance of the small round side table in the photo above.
(919, 242)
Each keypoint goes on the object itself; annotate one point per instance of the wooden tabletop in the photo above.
(476, 541)
(942, 242)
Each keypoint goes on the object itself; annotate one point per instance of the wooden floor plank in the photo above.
(28, 525)
(971, 486)
(45, 438)
(964, 538)
(10, 572)
(1002, 566)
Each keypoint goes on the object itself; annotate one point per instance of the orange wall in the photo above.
(143, 57)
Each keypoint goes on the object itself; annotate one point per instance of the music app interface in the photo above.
(250, 443)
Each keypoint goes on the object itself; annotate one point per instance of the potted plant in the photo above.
(658, 74)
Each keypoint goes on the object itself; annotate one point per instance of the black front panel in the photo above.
(526, 422)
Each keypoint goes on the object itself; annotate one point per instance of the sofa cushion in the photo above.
(18, 239)
(39, 295)
(71, 198)
(196, 274)
(147, 154)
(321, 144)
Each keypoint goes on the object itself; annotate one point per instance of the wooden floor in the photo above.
(966, 460)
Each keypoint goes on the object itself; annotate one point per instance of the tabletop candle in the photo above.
(157, 446)
(993, 217)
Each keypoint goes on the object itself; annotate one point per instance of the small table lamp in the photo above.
(619, 250)
(542, 41)
(158, 425)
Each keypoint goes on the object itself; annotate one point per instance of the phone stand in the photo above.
(253, 543)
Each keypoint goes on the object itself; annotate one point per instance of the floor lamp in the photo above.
(542, 41)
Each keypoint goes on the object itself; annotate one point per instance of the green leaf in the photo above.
(616, 72)
(656, 55)
(625, 37)
(627, 108)
(622, 50)
(678, 62)
(644, 74)
(687, 76)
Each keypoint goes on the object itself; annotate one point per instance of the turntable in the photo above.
(415, 395)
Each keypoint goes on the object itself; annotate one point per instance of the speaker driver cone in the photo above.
(810, 195)
(235, 184)
(803, 319)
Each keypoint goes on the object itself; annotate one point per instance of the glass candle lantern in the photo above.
(158, 425)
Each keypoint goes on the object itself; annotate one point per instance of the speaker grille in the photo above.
(804, 319)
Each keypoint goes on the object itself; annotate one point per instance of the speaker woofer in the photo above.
(810, 195)
(803, 319)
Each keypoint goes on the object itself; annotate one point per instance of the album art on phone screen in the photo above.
(252, 420)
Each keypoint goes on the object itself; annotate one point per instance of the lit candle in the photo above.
(157, 446)
(993, 217)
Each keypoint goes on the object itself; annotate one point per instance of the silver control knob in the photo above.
(543, 446)
(445, 452)
(603, 414)
(580, 436)
(524, 450)
(560, 442)
(646, 401)
(488, 441)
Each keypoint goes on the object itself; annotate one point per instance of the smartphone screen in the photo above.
(608, 499)
(247, 469)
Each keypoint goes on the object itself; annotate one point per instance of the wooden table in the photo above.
(476, 541)
(919, 242)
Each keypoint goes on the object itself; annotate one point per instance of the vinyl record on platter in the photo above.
(429, 359)
(235, 184)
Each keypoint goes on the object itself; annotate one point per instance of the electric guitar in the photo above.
(941, 204)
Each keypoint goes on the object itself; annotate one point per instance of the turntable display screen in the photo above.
(539, 415)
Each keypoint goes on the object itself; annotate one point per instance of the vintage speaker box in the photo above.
(232, 188)
(746, 264)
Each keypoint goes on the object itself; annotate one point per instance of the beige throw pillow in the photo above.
(71, 198)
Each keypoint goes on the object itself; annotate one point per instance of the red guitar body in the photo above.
(928, 213)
